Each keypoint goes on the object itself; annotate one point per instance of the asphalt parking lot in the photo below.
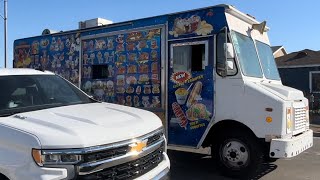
(193, 166)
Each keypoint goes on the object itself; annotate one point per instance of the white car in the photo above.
(49, 129)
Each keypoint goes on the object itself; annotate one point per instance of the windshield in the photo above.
(269, 67)
(35, 92)
(247, 55)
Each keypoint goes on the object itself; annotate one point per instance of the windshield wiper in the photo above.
(13, 111)
(8, 114)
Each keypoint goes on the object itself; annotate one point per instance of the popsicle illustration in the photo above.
(178, 112)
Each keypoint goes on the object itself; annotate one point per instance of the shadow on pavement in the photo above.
(191, 166)
(265, 169)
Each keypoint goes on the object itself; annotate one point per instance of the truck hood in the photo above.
(84, 125)
(284, 92)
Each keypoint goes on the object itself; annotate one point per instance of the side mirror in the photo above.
(229, 52)
(230, 65)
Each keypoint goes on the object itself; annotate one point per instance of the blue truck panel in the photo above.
(123, 63)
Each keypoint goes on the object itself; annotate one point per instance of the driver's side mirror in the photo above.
(229, 52)
(230, 65)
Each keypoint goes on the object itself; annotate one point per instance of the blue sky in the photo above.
(293, 24)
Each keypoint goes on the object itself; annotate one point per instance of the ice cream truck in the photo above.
(208, 73)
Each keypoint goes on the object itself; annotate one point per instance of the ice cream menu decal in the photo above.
(132, 76)
(59, 54)
(191, 106)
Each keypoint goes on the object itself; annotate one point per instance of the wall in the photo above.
(299, 78)
(280, 53)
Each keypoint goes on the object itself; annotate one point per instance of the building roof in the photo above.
(305, 57)
(276, 48)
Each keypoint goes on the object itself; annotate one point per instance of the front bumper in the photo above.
(287, 148)
(160, 172)
(37, 173)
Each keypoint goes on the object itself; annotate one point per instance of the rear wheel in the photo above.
(268, 159)
(2, 177)
(238, 154)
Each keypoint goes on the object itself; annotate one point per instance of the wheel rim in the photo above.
(234, 154)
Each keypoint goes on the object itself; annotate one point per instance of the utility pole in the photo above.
(4, 17)
(5, 35)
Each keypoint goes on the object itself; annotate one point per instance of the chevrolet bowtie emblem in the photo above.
(138, 146)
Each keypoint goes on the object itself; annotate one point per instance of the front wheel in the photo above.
(239, 154)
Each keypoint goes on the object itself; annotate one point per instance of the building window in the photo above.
(314, 81)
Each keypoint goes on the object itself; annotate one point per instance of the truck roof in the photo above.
(22, 71)
(228, 8)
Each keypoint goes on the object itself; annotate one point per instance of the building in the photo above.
(301, 70)
(278, 51)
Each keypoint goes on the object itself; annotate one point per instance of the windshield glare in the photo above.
(269, 67)
(247, 55)
(249, 59)
(23, 93)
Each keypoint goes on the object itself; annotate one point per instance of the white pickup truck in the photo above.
(49, 129)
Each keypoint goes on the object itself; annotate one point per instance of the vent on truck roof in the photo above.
(94, 23)
(49, 31)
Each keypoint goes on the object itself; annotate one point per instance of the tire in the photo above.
(2, 177)
(238, 154)
(268, 159)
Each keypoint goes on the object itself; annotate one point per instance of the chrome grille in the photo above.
(299, 119)
(109, 153)
(119, 161)
(128, 170)
(154, 138)
(106, 154)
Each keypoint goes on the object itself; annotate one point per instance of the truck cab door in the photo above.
(190, 90)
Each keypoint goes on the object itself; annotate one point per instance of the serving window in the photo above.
(189, 57)
(100, 71)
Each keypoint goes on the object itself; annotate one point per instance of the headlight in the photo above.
(307, 115)
(43, 157)
(289, 120)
